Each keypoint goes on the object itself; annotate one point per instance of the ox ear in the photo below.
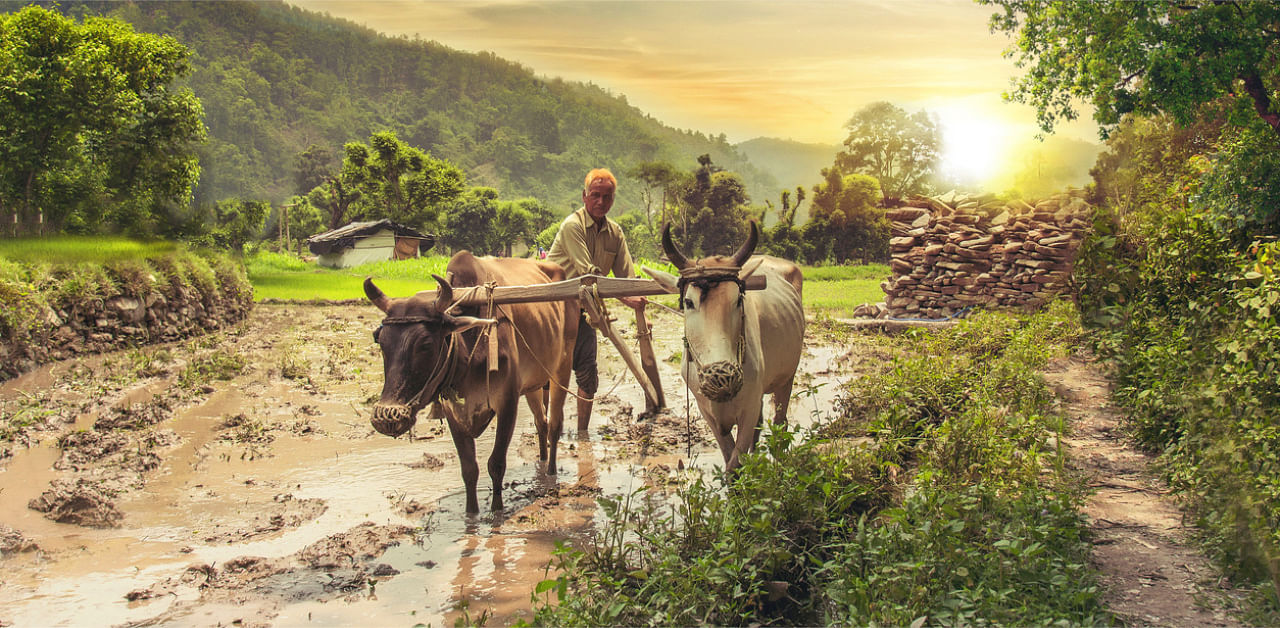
(375, 295)
(666, 280)
(459, 324)
(750, 268)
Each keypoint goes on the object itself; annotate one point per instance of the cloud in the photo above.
(794, 69)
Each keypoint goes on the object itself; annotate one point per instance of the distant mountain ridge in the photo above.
(790, 162)
(275, 79)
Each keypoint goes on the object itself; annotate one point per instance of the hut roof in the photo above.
(345, 236)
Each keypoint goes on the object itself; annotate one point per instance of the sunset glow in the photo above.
(795, 70)
(975, 146)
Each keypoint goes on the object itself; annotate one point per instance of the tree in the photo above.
(314, 167)
(656, 175)
(520, 221)
(236, 222)
(469, 222)
(900, 150)
(1145, 158)
(335, 198)
(714, 212)
(91, 132)
(305, 219)
(643, 240)
(1141, 57)
(784, 239)
(400, 182)
(854, 226)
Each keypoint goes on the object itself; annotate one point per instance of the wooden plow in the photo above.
(590, 291)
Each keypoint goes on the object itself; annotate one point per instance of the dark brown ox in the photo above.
(739, 345)
(430, 355)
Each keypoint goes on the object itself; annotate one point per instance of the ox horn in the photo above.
(375, 295)
(673, 254)
(444, 296)
(748, 247)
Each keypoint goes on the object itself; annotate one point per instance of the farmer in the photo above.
(589, 243)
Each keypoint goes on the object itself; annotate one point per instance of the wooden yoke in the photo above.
(605, 287)
(590, 291)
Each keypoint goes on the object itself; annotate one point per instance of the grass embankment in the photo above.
(48, 284)
(280, 276)
(60, 272)
(937, 495)
(829, 290)
(81, 249)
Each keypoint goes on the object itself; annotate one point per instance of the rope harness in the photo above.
(444, 367)
(704, 278)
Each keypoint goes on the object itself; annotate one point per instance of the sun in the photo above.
(975, 146)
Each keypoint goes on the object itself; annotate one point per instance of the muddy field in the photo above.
(235, 478)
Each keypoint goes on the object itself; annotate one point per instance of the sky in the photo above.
(790, 69)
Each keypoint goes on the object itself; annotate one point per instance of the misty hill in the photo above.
(275, 79)
(791, 163)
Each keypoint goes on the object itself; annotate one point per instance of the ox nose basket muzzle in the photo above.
(720, 381)
(392, 420)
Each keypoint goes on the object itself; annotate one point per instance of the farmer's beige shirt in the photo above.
(582, 248)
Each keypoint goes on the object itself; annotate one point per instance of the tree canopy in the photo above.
(901, 150)
(387, 178)
(93, 136)
(1143, 57)
(844, 219)
(276, 79)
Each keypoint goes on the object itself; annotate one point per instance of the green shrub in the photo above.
(1189, 324)
(958, 510)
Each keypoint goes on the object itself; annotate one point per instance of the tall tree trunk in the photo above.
(1261, 100)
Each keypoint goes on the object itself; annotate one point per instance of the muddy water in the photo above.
(249, 446)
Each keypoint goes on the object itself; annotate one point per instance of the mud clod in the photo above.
(285, 512)
(13, 542)
(137, 416)
(351, 547)
(265, 584)
(428, 462)
(82, 448)
(81, 502)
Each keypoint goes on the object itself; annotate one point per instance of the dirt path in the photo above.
(1152, 572)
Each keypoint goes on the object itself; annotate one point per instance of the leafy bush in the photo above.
(957, 510)
(1183, 299)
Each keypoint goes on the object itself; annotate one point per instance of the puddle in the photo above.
(259, 440)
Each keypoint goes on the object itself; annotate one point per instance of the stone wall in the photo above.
(949, 253)
(96, 325)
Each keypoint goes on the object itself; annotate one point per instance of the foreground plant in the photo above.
(937, 497)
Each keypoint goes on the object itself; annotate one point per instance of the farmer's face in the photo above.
(598, 198)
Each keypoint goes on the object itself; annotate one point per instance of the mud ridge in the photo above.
(337, 567)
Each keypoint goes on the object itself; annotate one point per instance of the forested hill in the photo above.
(791, 163)
(275, 79)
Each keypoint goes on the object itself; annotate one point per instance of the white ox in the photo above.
(739, 345)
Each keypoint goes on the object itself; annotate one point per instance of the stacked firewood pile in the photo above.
(950, 253)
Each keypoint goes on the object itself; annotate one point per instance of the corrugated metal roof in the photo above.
(363, 229)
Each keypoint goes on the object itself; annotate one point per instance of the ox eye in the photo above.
(688, 303)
